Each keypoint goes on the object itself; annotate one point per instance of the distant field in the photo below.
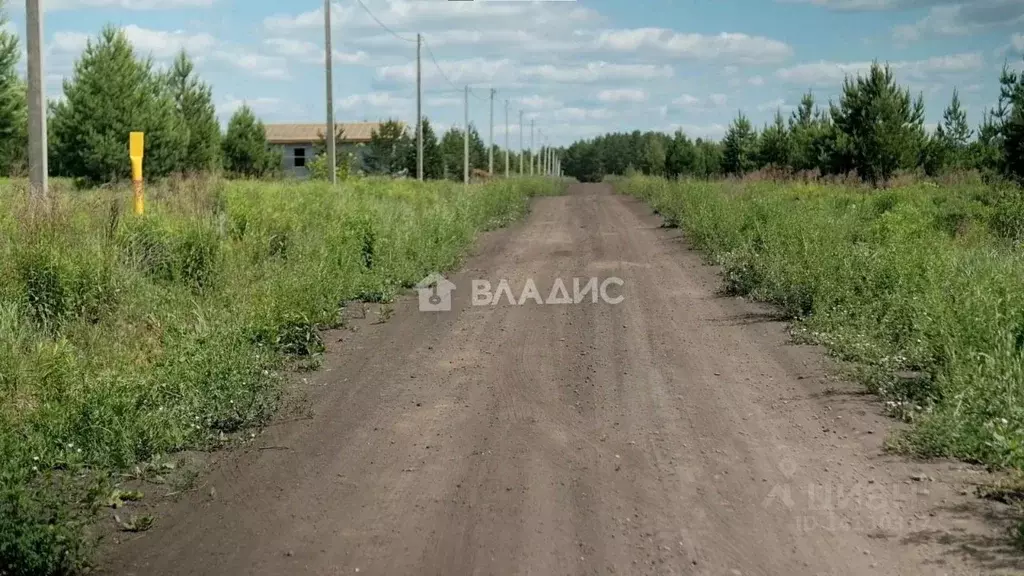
(123, 338)
(922, 287)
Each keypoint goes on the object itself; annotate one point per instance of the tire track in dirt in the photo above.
(645, 437)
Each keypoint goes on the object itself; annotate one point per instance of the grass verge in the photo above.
(922, 287)
(125, 338)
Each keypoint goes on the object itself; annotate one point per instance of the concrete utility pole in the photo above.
(490, 147)
(419, 111)
(532, 155)
(465, 142)
(331, 152)
(506, 138)
(37, 161)
(521, 150)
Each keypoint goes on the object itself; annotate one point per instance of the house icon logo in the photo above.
(435, 293)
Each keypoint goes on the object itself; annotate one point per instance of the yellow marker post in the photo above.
(135, 153)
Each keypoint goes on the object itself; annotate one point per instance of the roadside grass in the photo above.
(125, 338)
(922, 286)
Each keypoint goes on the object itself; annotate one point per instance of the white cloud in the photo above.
(945, 17)
(536, 102)
(260, 65)
(622, 95)
(713, 131)
(825, 73)
(466, 71)
(686, 100)
(574, 113)
(1017, 42)
(404, 15)
(505, 72)
(263, 105)
(166, 44)
(596, 72)
(59, 5)
(756, 81)
(160, 44)
(445, 101)
(712, 101)
(68, 42)
(375, 100)
(310, 52)
(725, 46)
(777, 103)
(512, 28)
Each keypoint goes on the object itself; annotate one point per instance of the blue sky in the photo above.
(578, 69)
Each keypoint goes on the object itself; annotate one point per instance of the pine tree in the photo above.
(194, 102)
(954, 124)
(882, 124)
(1011, 122)
(111, 94)
(13, 109)
(387, 151)
(738, 147)
(805, 129)
(433, 163)
(245, 148)
(774, 144)
(681, 157)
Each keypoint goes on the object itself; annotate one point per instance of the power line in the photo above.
(382, 25)
(477, 96)
(439, 69)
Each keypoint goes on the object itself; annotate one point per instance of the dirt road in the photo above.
(675, 432)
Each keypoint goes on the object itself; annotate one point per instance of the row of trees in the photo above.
(113, 91)
(875, 130)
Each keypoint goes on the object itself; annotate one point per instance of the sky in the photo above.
(577, 69)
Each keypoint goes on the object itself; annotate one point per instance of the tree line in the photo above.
(113, 91)
(874, 131)
(392, 151)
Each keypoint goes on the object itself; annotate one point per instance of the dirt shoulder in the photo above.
(675, 432)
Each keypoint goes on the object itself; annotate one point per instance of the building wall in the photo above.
(289, 155)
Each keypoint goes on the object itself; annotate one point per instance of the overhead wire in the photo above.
(430, 53)
(382, 25)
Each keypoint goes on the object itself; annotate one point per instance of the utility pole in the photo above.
(506, 138)
(419, 111)
(531, 148)
(37, 161)
(465, 142)
(331, 152)
(521, 150)
(490, 147)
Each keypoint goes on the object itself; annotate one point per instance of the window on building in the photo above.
(300, 157)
